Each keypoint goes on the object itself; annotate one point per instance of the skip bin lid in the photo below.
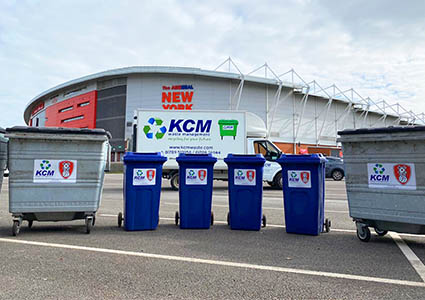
(144, 157)
(245, 158)
(58, 130)
(301, 159)
(202, 158)
(390, 129)
(228, 122)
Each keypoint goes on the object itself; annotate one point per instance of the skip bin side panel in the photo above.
(25, 196)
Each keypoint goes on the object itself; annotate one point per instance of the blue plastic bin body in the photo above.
(195, 190)
(142, 190)
(303, 179)
(245, 177)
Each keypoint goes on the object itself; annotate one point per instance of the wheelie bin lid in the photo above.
(228, 122)
(202, 158)
(154, 157)
(245, 158)
(57, 130)
(389, 129)
(2, 130)
(301, 159)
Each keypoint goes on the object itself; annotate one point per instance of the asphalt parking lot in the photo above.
(58, 260)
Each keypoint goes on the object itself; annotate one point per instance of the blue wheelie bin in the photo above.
(142, 190)
(303, 179)
(195, 191)
(245, 175)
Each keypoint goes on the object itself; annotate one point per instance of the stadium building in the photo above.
(299, 116)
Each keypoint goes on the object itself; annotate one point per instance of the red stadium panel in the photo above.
(76, 112)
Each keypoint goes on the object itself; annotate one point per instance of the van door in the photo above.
(271, 153)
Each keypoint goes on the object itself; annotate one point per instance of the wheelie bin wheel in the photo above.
(380, 232)
(89, 224)
(327, 225)
(176, 218)
(212, 218)
(363, 233)
(264, 219)
(16, 228)
(228, 218)
(30, 224)
(120, 219)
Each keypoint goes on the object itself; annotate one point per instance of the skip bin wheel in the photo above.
(16, 228)
(120, 219)
(380, 232)
(212, 218)
(264, 219)
(89, 225)
(363, 233)
(327, 225)
(30, 224)
(176, 218)
(228, 218)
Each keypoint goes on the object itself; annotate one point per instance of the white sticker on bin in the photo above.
(391, 176)
(55, 171)
(299, 179)
(196, 176)
(244, 177)
(144, 176)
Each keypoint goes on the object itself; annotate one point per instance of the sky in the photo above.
(376, 47)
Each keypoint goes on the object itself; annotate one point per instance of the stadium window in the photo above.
(36, 122)
(72, 119)
(84, 104)
(65, 109)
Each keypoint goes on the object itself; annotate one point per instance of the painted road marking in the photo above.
(410, 255)
(219, 263)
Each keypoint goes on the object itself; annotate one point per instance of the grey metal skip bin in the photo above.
(56, 174)
(385, 179)
(3, 155)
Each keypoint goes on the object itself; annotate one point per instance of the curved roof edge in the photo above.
(146, 70)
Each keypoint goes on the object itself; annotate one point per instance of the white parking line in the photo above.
(219, 263)
(410, 255)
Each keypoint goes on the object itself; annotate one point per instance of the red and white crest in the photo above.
(250, 174)
(66, 168)
(202, 174)
(402, 173)
(150, 175)
(305, 177)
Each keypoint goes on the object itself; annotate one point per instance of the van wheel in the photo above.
(277, 181)
(337, 175)
(174, 181)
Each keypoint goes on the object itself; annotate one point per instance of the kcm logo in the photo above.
(294, 177)
(155, 128)
(46, 170)
(379, 174)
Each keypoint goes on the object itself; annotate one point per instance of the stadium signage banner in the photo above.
(177, 97)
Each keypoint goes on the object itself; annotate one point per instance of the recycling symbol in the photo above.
(191, 172)
(379, 169)
(139, 172)
(293, 174)
(155, 128)
(45, 165)
(240, 173)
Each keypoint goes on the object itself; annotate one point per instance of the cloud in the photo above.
(377, 47)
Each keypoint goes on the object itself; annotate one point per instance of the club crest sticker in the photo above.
(55, 171)
(196, 176)
(244, 177)
(299, 179)
(391, 176)
(144, 176)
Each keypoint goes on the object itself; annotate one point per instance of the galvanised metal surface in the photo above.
(86, 148)
(3, 155)
(391, 208)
